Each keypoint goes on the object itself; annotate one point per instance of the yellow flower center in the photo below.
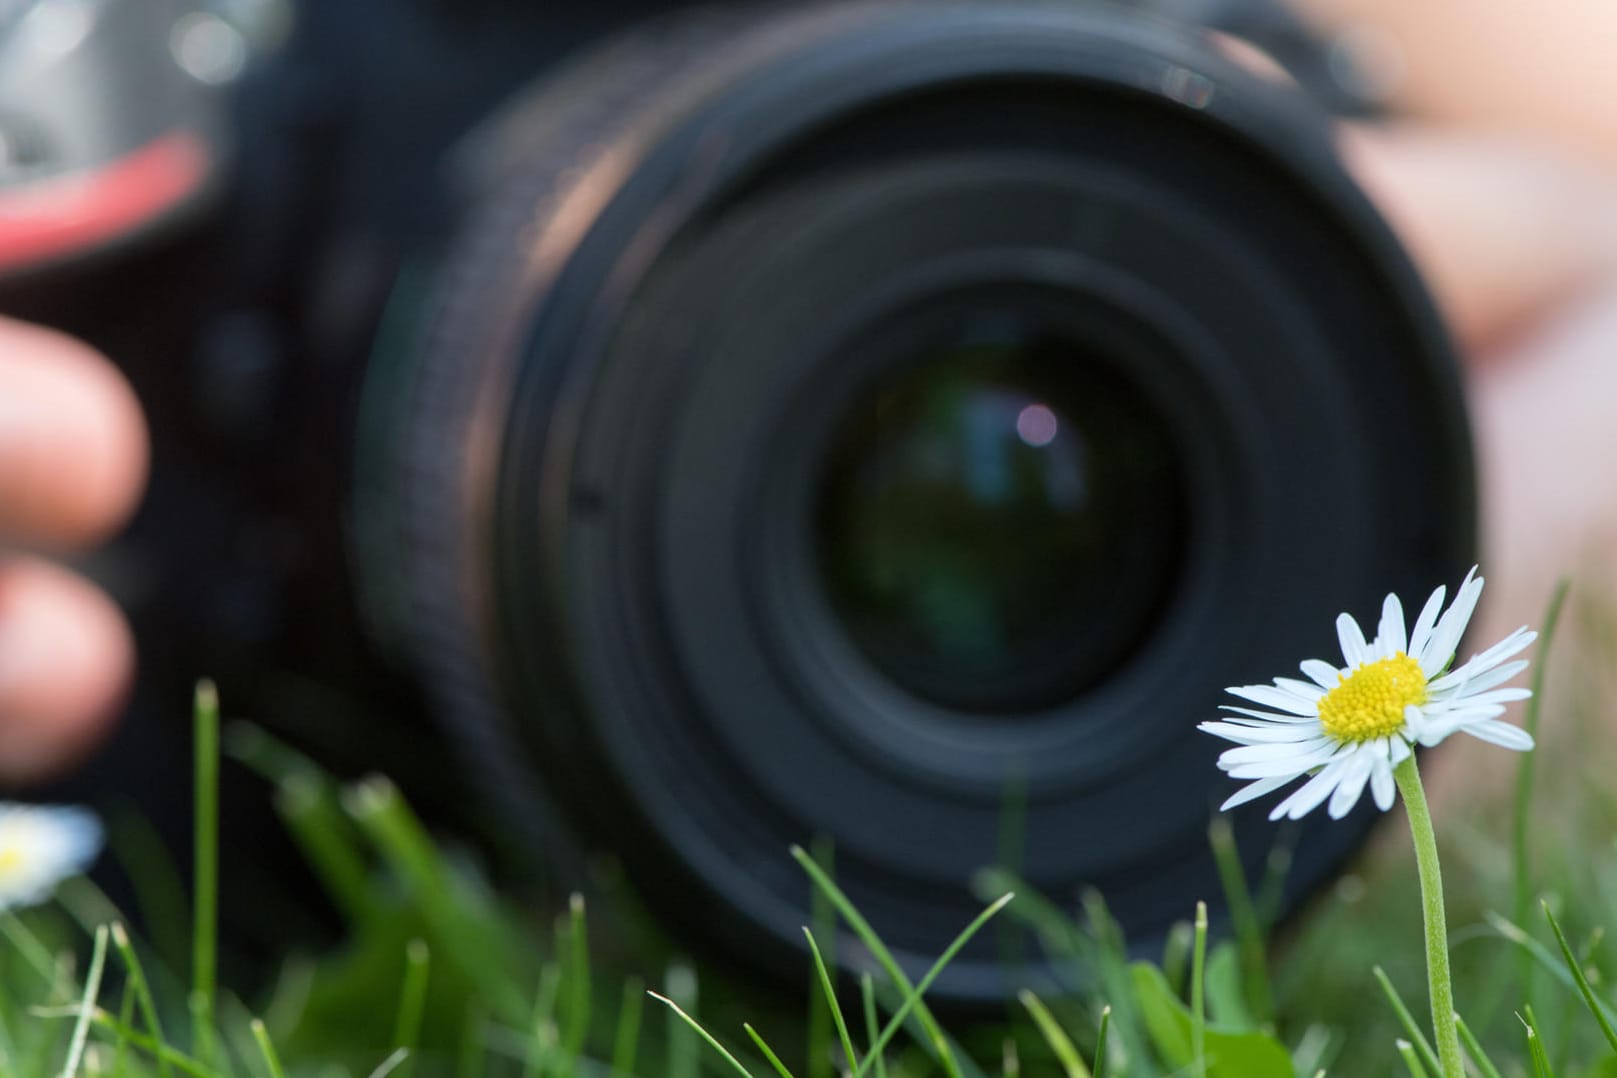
(1370, 702)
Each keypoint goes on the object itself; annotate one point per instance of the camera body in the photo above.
(218, 233)
(244, 304)
(726, 427)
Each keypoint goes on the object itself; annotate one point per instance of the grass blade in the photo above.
(412, 998)
(850, 1057)
(1112, 963)
(1276, 870)
(310, 810)
(126, 1021)
(1576, 969)
(1524, 767)
(1176, 955)
(542, 1024)
(136, 975)
(390, 1064)
(1244, 919)
(895, 973)
(479, 952)
(205, 915)
(87, 1005)
(913, 998)
(1535, 1051)
(1198, 1003)
(626, 1042)
(158, 886)
(470, 1062)
(769, 1053)
(680, 985)
(1100, 1042)
(577, 1017)
(267, 1050)
(1411, 1060)
(867, 991)
(1407, 1020)
(1066, 1052)
(1056, 931)
(1517, 935)
(704, 1034)
(823, 918)
(1474, 1049)
(35, 953)
(158, 1050)
(1097, 955)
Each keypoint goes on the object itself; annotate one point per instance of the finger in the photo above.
(66, 661)
(1495, 66)
(73, 451)
(1503, 231)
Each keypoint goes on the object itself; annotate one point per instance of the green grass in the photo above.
(439, 977)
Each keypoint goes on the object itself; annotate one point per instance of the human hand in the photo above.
(73, 458)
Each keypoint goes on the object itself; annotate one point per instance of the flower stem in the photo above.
(1437, 935)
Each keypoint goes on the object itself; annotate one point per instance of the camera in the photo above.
(729, 426)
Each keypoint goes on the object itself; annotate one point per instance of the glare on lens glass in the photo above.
(1037, 426)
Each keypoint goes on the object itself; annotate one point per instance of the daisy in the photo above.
(1350, 726)
(40, 846)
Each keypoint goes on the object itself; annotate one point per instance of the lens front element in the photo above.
(1000, 521)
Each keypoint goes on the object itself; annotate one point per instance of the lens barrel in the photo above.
(877, 421)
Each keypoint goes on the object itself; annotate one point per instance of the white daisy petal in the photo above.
(1415, 721)
(1497, 696)
(1254, 790)
(1300, 688)
(1268, 716)
(1435, 731)
(1279, 699)
(1439, 728)
(1253, 735)
(1504, 649)
(1462, 715)
(1451, 626)
(1487, 680)
(1351, 637)
(1311, 794)
(1322, 674)
(1252, 754)
(1500, 733)
(1487, 660)
(1422, 632)
(1390, 633)
(1348, 790)
(1294, 766)
(1256, 754)
(1382, 787)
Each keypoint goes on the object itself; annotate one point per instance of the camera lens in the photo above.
(1001, 521)
(837, 420)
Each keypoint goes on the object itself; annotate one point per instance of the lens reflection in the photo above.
(1000, 524)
